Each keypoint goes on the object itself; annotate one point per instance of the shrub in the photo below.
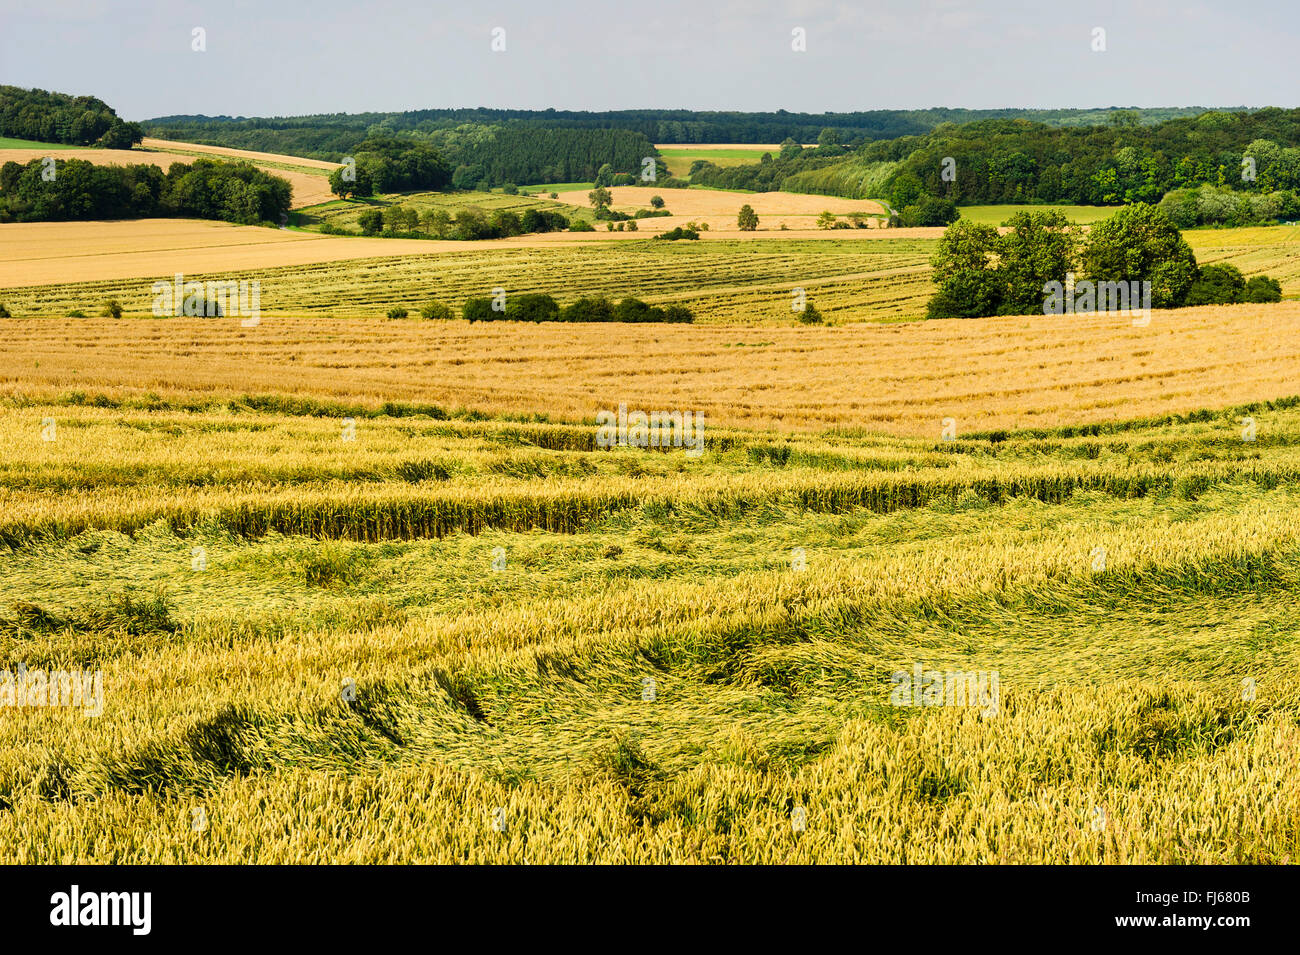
(929, 211)
(588, 310)
(536, 307)
(76, 313)
(503, 224)
(581, 225)
(510, 189)
(371, 222)
(599, 309)
(810, 315)
(113, 308)
(4, 312)
(1217, 285)
(436, 310)
(532, 307)
(397, 312)
(631, 225)
(657, 202)
(478, 310)
(539, 220)
(635, 310)
(555, 195)
(678, 233)
(1262, 289)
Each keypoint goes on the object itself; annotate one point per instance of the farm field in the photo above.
(43, 253)
(345, 213)
(718, 207)
(268, 160)
(8, 142)
(903, 379)
(679, 157)
(409, 636)
(852, 275)
(725, 281)
(997, 215)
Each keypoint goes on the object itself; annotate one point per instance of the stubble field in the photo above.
(1001, 373)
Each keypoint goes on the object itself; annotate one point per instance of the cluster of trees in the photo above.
(75, 189)
(1018, 161)
(926, 211)
(854, 220)
(1001, 161)
(538, 307)
(979, 272)
(1216, 205)
(1225, 285)
(385, 164)
(538, 154)
(493, 157)
(60, 118)
(679, 232)
(470, 222)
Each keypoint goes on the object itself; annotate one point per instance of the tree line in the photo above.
(469, 223)
(1016, 161)
(539, 307)
(59, 118)
(387, 164)
(1008, 161)
(478, 155)
(74, 189)
(979, 272)
(329, 136)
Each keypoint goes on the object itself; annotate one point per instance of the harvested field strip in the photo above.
(651, 271)
(1004, 373)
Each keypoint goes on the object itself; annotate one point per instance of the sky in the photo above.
(293, 57)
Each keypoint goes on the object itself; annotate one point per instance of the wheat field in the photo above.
(370, 590)
(413, 635)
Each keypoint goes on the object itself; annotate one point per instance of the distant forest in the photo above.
(330, 136)
(497, 147)
(491, 153)
(1015, 161)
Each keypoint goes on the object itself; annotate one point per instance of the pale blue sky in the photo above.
(293, 57)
